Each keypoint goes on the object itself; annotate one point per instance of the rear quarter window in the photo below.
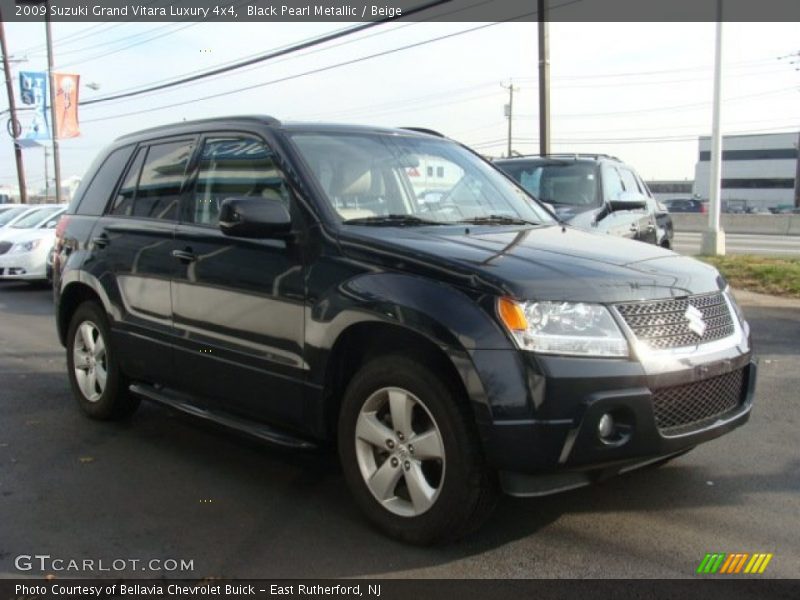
(93, 199)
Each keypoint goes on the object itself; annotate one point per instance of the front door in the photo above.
(238, 303)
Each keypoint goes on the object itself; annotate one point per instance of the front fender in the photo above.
(456, 320)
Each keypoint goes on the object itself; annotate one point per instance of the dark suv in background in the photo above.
(685, 205)
(595, 192)
(286, 280)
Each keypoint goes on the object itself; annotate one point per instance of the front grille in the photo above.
(682, 408)
(663, 324)
(5, 247)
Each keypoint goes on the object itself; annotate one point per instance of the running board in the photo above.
(183, 403)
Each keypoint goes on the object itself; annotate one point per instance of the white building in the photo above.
(757, 170)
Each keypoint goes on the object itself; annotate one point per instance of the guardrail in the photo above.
(758, 224)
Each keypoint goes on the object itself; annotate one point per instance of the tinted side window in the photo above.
(95, 197)
(152, 187)
(231, 167)
(158, 192)
(123, 203)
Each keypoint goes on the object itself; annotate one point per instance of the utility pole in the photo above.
(51, 79)
(15, 128)
(714, 237)
(509, 110)
(46, 175)
(797, 176)
(544, 78)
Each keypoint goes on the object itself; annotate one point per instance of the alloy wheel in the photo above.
(90, 361)
(400, 451)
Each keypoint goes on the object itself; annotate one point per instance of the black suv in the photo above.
(286, 280)
(595, 192)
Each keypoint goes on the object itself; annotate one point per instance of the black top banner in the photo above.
(287, 11)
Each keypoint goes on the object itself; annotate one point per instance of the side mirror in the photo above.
(254, 218)
(628, 201)
(51, 224)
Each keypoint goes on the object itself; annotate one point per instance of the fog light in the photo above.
(605, 428)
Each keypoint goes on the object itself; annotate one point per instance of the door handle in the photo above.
(101, 241)
(634, 227)
(185, 256)
(651, 227)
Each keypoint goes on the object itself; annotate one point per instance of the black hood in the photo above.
(541, 263)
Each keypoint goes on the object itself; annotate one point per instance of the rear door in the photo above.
(132, 247)
(238, 303)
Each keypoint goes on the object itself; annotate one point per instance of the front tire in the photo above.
(97, 383)
(410, 453)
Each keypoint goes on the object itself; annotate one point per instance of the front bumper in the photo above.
(23, 265)
(560, 448)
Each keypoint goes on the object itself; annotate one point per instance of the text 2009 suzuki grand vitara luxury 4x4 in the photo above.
(393, 291)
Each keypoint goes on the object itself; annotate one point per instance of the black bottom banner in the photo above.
(396, 589)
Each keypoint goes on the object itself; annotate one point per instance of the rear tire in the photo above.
(410, 453)
(97, 382)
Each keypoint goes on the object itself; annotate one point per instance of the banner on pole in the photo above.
(33, 92)
(66, 105)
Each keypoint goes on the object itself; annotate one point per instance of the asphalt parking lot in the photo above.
(165, 486)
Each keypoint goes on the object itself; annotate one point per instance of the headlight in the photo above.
(574, 328)
(739, 315)
(25, 246)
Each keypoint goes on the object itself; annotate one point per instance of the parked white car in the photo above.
(14, 213)
(25, 243)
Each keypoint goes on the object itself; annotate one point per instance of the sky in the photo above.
(639, 91)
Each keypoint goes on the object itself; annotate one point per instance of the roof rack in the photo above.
(261, 118)
(575, 155)
(424, 130)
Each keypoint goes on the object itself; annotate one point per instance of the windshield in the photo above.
(36, 217)
(570, 184)
(396, 179)
(11, 214)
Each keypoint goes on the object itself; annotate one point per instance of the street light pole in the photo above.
(714, 237)
(12, 109)
(544, 79)
(52, 81)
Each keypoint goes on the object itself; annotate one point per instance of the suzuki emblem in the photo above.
(696, 322)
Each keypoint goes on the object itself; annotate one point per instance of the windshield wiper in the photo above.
(398, 220)
(499, 220)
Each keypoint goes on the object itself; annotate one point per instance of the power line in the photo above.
(134, 44)
(321, 69)
(129, 46)
(420, 102)
(627, 140)
(737, 64)
(82, 34)
(314, 71)
(268, 56)
(290, 46)
(663, 108)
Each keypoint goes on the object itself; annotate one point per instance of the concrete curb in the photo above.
(745, 298)
(753, 224)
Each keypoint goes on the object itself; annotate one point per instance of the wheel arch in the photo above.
(369, 339)
(73, 294)
(379, 313)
